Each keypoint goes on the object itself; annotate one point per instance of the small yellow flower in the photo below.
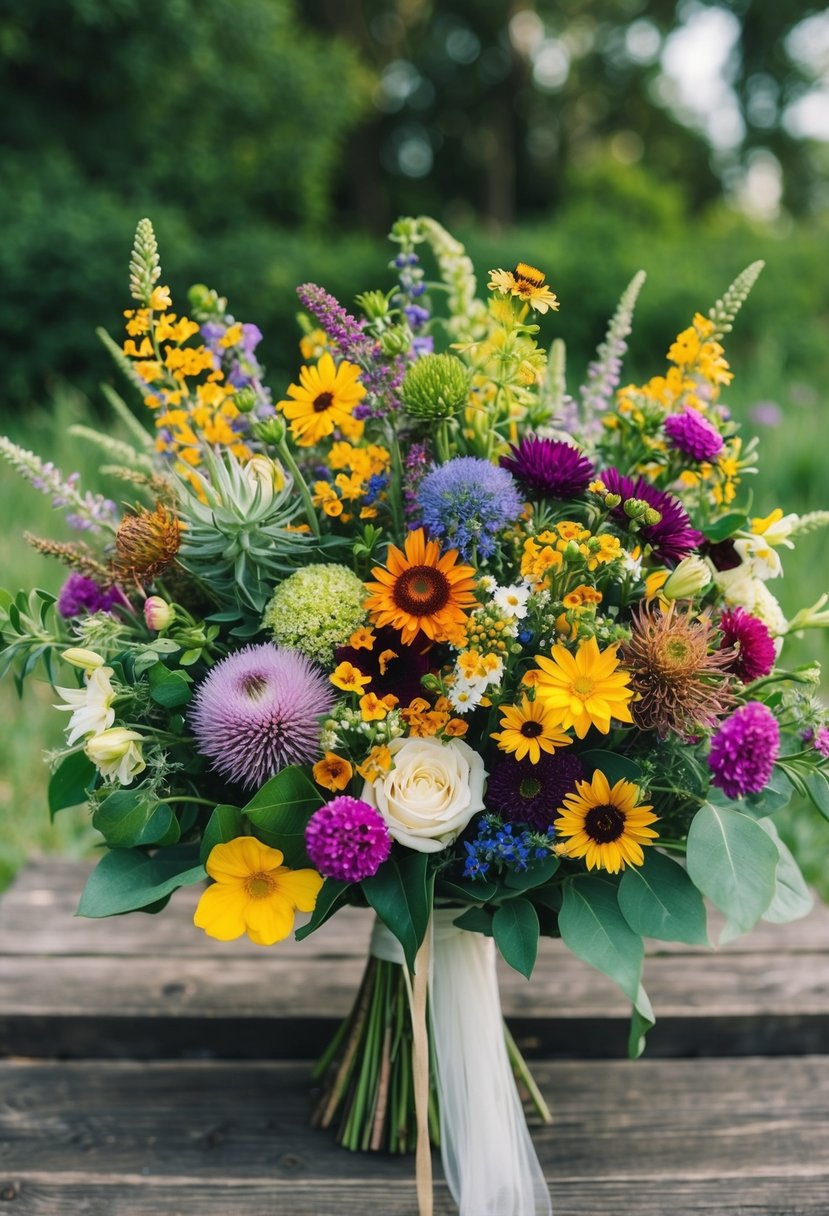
(455, 728)
(160, 299)
(332, 772)
(362, 639)
(529, 729)
(527, 284)
(372, 709)
(377, 764)
(349, 678)
(253, 893)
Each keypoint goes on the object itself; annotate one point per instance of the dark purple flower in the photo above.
(347, 839)
(693, 435)
(673, 536)
(259, 710)
(549, 467)
(756, 652)
(744, 749)
(80, 595)
(533, 793)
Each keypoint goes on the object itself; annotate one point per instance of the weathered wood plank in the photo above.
(747, 1137)
(37, 916)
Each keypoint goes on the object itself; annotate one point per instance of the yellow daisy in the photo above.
(585, 689)
(527, 284)
(605, 826)
(528, 730)
(420, 590)
(323, 400)
(253, 893)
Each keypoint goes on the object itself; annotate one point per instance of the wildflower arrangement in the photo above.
(423, 632)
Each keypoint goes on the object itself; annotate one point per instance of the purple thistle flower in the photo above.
(693, 435)
(756, 653)
(744, 749)
(821, 742)
(673, 536)
(347, 839)
(549, 467)
(533, 793)
(80, 595)
(467, 502)
(258, 711)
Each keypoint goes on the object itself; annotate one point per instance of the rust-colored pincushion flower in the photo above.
(146, 543)
(681, 681)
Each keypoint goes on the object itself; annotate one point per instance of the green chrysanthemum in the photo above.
(316, 610)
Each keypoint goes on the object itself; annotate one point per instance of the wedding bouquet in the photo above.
(426, 634)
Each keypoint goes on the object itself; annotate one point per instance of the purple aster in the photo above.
(744, 749)
(466, 502)
(756, 653)
(673, 536)
(532, 793)
(549, 467)
(347, 839)
(693, 435)
(822, 742)
(258, 711)
(80, 595)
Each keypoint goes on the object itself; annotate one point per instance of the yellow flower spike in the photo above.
(253, 893)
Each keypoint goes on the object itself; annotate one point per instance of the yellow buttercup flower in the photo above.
(528, 730)
(605, 826)
(253, 893)
(527, 284)
(349, 678)
(585, 689)
(323, 400)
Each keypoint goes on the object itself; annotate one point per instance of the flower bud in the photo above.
(116, 753)
(435, 387)
(572, 553)
(651, 517)
(158, 613)
(87, 660)
(689, 577)
(612, 500)
(635, 508)
(270, 430)
(263, 472)
(374, 304)
(394, 341)
(245, 399)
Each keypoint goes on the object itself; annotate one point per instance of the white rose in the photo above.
(430, 794)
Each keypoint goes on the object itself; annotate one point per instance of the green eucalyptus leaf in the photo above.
(593, 927)
(659, 900)
(125, 880)
(476, 920)
(279, 813)
(537, 872)
(516, 931)
(331, 897)
(733, 862)
(792, 898)
(615, 767)
(226, 823)
(128, 818)
(71, 782)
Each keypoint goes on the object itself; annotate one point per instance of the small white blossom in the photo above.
(513, 601)
(117, 753)
(90, 707)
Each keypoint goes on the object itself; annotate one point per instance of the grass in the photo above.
(793, 467)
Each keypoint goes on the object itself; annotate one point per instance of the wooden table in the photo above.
(147, 1069)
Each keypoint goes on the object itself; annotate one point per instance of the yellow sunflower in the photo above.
(604, 825)
(585, 689)
(253, 893)
(527, 284)
(324, 399)
(421, 591)
(528, 730)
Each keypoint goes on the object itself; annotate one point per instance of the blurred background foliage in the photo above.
(273, 142)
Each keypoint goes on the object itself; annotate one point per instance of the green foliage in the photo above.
(279, 813)
(129, 818)
(401, 895)
(792, 898)
(71, 782)
(125, 880)
(516, 931)
(659, 900)
(225, 824)
(733, 862)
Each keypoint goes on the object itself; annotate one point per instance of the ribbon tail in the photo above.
(418, 993)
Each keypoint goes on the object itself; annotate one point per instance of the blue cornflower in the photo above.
(468, 501)
(375, 487)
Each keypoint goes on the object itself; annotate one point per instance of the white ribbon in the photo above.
(488, 1156)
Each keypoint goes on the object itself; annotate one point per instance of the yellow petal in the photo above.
(269, 920)
(221, 912)
(240, 858)
(301, 887)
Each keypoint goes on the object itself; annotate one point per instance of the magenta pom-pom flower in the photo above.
(347, 839)
(744, 749)
(753, 643)
(549, 467)
(693, 435)
(258, 711)
(80, 595)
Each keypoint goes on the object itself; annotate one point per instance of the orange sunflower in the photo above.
(421, 591)
(324, 400)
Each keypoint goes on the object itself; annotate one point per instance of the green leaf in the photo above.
(516, 931)
(615, 768)
(71, 782)
(792, 898)
(169, 688)
(225, 824)
(817, 789)
(127, 879)
(720, 529)
(592, 926)
(538, 872)
(401, 895)
(280, 811)
(641, 1020)
(659, 900)
(732, 861)
(475, 920)
(331, 897)
(132, 817)
(468, 890)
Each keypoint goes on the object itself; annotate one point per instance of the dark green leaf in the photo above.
(538, 872)
(817, 789)
(224, 824)
(132, 817)
(720, 529)
(401, 895)
(641, 1020)
(127, 879)
(792, 898)
(659, 900)
(732, 861)
(71, 782)
(468, 890)
(615, 768)
(592, 926)
(331, 897)
(475, 920)
(280, 811)
(515, 929)
(169, 688)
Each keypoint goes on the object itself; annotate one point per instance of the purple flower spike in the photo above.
(258, 711)
(693, 435)
(744, 749)
(347, 839)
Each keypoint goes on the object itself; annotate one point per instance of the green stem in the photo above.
(188, 798)
(299, 481)
(519, 1067)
